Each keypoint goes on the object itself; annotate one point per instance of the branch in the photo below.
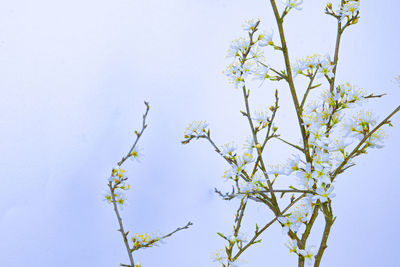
(259, 232)
(355, 150)
(336, 57)
(308, 89)
(177, 230)
(279, 21)
(243, 173)
(280, 74)
(267, 136)
(246, 96)
(328, 224)
(121, 226)
(306, 234)
(236, 227)
(138, 135)
(295, 146)
(112, 188)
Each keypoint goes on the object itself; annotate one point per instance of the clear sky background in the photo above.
(73, 78)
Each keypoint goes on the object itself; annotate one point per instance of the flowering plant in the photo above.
(117, 185)
(332, 137)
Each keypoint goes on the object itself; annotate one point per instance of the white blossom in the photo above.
(136, 154)
(293, 4)
(250, 25)
(265, 39)
(228, 150)
(349, 9)
(308, 254)
(261, 73)
(237, 47)
(261, 117)
(288, 224)
(292, 246)
(196, 129)
(305, 177)
(293, 165)
(323, 194)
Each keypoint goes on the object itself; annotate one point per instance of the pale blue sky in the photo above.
(74, 75)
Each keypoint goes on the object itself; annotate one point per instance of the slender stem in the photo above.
(280, 75)
(290, 144)
(121, 226)
(138, 135)
(290, 79)
(327, 210)
(259, 192)
(151, 243)
(336, 57)
(259, 232)
(177, 229)
(308, 90)
(243, 173)
(236, 227)
(267, 136)
(246, 100)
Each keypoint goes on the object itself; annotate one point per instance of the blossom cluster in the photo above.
(328, 142)
(349, 10)
(262, 119)
(308, 253)
(117, 180)
(144, 241)
(322, 65)
(248, 56)
(296, 219)
(331, 137)
(328, 147)
(136, 155)
(196, 129)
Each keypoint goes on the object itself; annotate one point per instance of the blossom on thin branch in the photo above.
(116, 195)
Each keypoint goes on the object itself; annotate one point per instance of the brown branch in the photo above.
(327, 210)
(306, 234)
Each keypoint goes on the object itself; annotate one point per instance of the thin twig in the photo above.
(138, 135)
(308, 89)
(258, 233)
(295, 146)
(177, 230)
